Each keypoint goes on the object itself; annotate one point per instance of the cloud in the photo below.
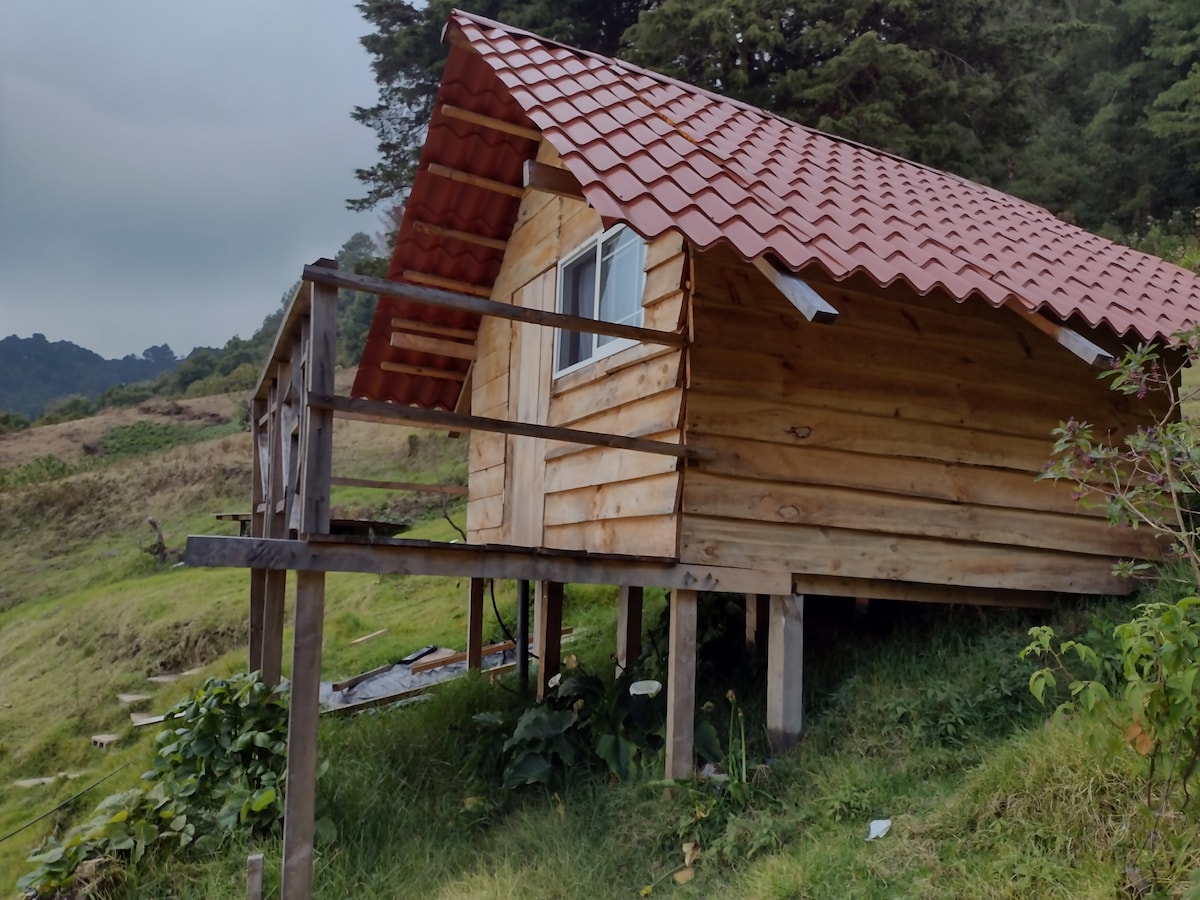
(168, 169)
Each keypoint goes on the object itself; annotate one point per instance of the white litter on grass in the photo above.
(878, 828)
(646, 688)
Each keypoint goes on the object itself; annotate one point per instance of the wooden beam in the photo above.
(785, 671)
(378, 411)
(398, 556)
(629, 627)
(455, 235)
(681, 684)
(552, 180)
(463, 334)
(415, 486)
(880, 589)
(271, 652)
(466, 115)
(480, 306)
(448, 284)
(358, 679)
(475, 624)
(1072, 340)
(807, 302)
(418, 343)
(422, 371)
(547, 613)
(757, 611)
(487, 184)
(304, 709)
(254, 876)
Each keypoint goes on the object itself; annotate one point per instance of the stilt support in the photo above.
(301, 796)
(756, 620)
(475, 625)
(271, 654)
(681, 684)
(629, 627)
(547, 613)
(785, 671)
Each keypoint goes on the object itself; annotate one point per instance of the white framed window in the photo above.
(604, 280)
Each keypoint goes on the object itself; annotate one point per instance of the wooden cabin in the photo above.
(697, 346)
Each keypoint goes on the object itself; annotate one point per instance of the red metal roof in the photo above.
(659, 154)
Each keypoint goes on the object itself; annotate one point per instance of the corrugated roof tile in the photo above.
(658, 155)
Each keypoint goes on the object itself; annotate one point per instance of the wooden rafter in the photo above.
(420, 343)
(456, 235)
(465, 334)
(541, 177)
(466, 115)
(422, 371)
(448, 284)
(487, 184)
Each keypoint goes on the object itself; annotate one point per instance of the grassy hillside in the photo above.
(917, 714)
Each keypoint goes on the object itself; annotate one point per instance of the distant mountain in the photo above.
(35, 371)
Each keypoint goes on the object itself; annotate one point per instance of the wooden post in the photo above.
(475, 625)
(681, 684)
(301, 796)
(547, 612)
(316, 466)
(629, 627)
(785, 671)
(523, 636)
(259, 472)
(254, 876)
(757, 606)
(271, 451)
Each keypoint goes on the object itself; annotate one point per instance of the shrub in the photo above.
(220, 770)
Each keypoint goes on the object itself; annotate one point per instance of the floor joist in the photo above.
(398, 556)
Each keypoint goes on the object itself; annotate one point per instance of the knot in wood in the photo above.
(800, 432)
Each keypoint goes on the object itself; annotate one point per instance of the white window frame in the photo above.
(593, 246)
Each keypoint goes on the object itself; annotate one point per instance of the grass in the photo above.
(917, 714)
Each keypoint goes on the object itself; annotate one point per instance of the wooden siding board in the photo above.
(654, 495)
(900, 445)
(738, 498)
(911, 477)
(820, 550)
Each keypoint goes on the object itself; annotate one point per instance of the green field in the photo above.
(916, 714)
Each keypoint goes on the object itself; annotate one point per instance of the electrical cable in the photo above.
(508, 634)
(70, 799)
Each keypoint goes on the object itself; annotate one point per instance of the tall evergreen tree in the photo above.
(409, 57)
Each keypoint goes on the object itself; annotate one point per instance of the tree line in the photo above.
(1090, 108)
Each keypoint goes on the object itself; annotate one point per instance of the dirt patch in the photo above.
(70, 440)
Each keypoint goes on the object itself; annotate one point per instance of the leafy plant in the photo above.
(585, 720)
(1150, 478)
(220, 770)
(1158, 710)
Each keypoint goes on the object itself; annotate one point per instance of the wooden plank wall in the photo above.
(900, 443)
(535, 492)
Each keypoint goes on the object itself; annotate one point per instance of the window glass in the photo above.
(602, 280)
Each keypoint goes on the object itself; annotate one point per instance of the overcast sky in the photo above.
(167, 167)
